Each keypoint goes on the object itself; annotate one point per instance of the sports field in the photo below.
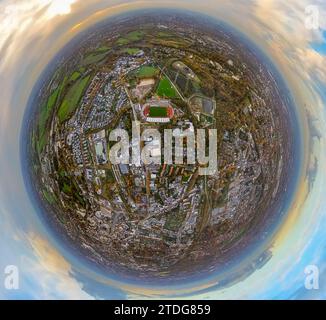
(158, 112)
(147, 72)
(165, 89)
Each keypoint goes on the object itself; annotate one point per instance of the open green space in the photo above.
(166, 89)
(174, 221)
(165, 34)
(123, 41)
(41, 142)
(103, 48)
(169, 42)
(49, 197)
(72, 99)
(46, 110)
(147, 72)
(131, 51)
(67, 189)
(75, 76)
(94, 57)
(135, 35)
(45, 114)
(62, 172)
(130, 37)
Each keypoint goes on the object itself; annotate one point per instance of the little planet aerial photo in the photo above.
(163, 150)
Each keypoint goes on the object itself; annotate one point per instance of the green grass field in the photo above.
(67, 189)
(158, 112)
(45, 114)
(130, 37)
(103, 48)
(166, 89)
(123, 41)
(72, 99)
(75, 76)
(174, 221)
(94, 57)
(165, 34)
(131, 51)
(147, 72)
(49, 197)
(41, 142)
(46, 110)
(135, 35)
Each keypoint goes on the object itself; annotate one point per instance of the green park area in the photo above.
(147, 72)
(94, 57)
(131, 51)
(49, 197)
(45, 114)
(165, 34)
(130, 37)
(75, 76)
(72, 99)
(166, 89)
(174, 220)
(102, 48)
(67, 189)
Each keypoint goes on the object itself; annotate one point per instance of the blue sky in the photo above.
(320, 47)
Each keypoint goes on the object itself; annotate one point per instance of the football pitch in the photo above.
(158, 112)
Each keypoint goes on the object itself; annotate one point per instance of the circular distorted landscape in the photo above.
(149, 74)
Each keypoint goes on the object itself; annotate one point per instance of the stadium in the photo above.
(159, 111)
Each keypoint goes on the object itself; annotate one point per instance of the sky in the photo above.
(33, 31)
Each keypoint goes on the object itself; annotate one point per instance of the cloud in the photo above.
(51, 272)
(289, 39)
